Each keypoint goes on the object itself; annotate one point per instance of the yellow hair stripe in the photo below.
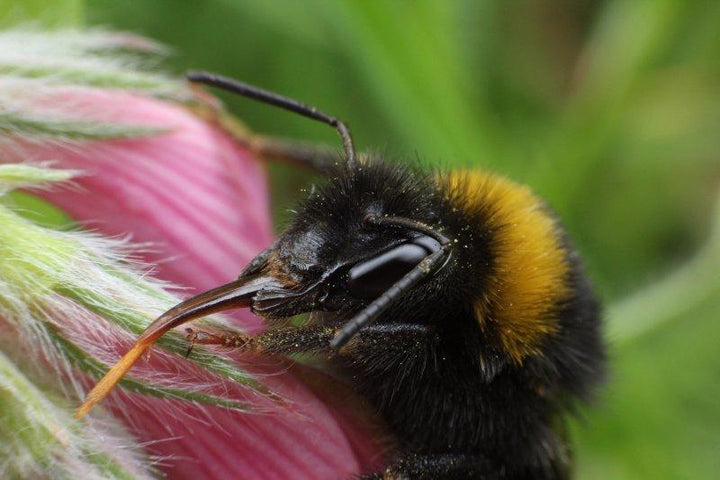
(528, 278)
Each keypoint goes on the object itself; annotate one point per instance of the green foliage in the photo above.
(660, 416)
(46, 13)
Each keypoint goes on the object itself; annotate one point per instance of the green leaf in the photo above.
(694, 283)
(46, 13)
(37, 210)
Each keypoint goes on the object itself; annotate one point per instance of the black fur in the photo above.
(450, 393)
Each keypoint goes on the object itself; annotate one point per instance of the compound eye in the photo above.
(368, 279)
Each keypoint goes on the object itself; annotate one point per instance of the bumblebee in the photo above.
(454, 302)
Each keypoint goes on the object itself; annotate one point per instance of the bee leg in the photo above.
(289, 340)
(404, 339)
(431, 467)
(281, 341)
(199, 337)
(318, 158)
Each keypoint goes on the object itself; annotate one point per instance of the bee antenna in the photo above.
(408, 223)
(251, 91)
(422, 270)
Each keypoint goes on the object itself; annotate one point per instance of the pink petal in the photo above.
(202, 203)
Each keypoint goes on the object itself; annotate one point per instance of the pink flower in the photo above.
(200, 203)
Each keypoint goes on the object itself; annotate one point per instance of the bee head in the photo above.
(355, 247)
(311, 269)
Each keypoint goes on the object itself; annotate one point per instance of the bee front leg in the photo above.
(313, 157)
(404, 339)
(200, 337)
(279, 341)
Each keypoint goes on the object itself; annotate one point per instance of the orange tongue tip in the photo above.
(231, 295)
(111, 378)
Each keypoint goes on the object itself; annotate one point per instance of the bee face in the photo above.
(335, 260)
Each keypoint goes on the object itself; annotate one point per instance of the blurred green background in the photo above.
(610, 109)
